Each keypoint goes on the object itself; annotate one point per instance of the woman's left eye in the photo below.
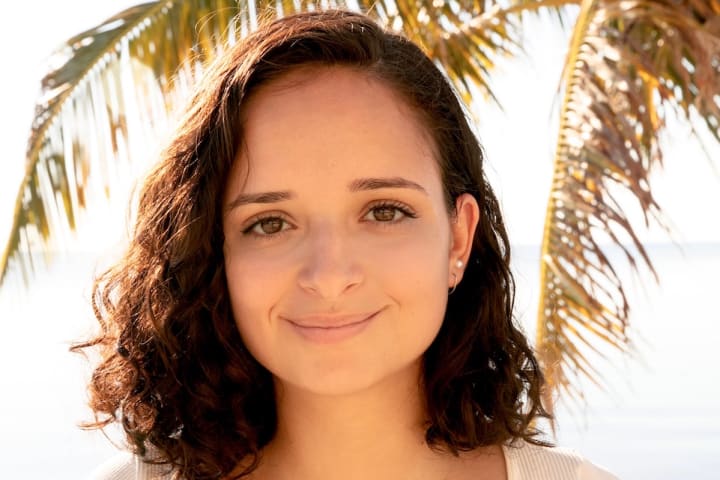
(389, 212)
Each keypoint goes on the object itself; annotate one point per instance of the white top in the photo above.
(531, 462)
(523, 462)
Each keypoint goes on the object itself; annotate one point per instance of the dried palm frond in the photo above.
(628, 63)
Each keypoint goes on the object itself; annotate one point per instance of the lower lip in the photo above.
(333, 334)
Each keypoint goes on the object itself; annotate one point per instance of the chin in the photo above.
(344, 380)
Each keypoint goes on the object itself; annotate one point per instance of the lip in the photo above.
(324, 330)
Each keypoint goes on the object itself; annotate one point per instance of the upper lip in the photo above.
(322, 320)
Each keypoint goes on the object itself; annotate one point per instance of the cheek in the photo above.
(251, 293)
(256, 276)
(418, 262)
(246, 281)
(415, 275)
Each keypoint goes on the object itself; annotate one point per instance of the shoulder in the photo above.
(526, 461)
(126, 466)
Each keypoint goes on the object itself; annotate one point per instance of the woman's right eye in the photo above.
(267, 226)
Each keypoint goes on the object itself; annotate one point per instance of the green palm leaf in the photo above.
(628, 63)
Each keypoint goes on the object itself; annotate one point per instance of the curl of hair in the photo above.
(174, 371)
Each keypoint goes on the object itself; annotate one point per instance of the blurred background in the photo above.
(658, 419)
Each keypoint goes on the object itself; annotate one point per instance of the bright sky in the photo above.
(519, 142)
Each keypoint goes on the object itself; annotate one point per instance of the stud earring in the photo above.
(459, 264)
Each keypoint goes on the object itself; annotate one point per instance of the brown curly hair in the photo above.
(174, 371)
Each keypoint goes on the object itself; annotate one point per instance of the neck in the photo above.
(376, 433)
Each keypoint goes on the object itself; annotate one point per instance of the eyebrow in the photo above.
(358, 185)
(362, 184)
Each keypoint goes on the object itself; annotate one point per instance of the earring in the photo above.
(459, 264)
(454, 284)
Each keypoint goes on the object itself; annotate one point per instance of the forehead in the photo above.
(331, 123)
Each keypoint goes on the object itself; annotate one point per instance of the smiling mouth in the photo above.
(328, 333)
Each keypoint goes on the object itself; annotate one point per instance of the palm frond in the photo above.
(463, 37)
(628, 63)
(98, 109)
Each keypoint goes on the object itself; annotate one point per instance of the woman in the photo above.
(282, 311)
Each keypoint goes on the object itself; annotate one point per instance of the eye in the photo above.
(390, 212)
(270, 225)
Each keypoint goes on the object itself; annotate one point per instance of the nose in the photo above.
(329, 266)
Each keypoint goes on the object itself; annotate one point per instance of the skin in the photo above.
(349, 404)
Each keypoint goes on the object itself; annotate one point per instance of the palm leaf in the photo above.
(628, 63)
(462, 37)
(99, 108)
(102, 107)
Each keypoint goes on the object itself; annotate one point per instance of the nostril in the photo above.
(329, 280)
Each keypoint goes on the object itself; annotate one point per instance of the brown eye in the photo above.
(270, 225)
(389, 213)
(384, 214)
(267, 227)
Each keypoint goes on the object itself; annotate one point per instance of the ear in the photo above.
(462, 232)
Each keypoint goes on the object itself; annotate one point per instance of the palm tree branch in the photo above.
(87, 116)
(627, 63)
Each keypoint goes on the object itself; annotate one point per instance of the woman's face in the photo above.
(338, 245)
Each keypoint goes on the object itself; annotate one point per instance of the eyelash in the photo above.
(395, 205)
